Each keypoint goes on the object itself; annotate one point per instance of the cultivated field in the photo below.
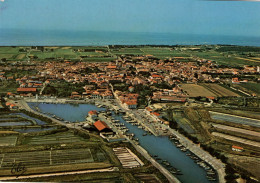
(253, 87)
(219, 91)
(163, 53)
(234, 119)
(9, 140)
(237, 139)
(223, 57)
(239, 130)
(251, 60)
(207, 90)
(15, 120)
(51, 157)
(127, 51)
(64, 137)
(194, 90)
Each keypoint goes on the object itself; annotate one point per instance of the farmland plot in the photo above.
(237, 139)
(219, 90)
(234, 119)
(194, 90)
(48, 158)
(9, 140)
(66, 137)
(239, 130)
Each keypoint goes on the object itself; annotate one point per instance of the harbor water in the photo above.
(161, 147)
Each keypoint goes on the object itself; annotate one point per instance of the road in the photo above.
(112, 169)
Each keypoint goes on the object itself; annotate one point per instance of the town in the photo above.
(205, 99)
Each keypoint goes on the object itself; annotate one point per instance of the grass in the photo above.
(7, 55)
(20, 56)
(255, 87)
(8, 86)
(127, 51)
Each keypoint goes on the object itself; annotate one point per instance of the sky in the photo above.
(156, 16)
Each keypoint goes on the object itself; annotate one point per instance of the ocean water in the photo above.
(16, 37)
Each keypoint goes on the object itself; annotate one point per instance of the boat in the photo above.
(144, 134)
(179, 173)
(173, 172)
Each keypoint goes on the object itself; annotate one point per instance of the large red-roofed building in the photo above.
(101, 126)
(26, 90)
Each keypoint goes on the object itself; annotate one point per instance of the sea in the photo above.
(16, 37)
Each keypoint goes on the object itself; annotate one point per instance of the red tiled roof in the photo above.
(156, 113)
(8, 103)
(156, 76)
(100, 125)
(148, 109)
(131, 102)
(26, 89)
(237, 147)
(92, 112)
(111, 67)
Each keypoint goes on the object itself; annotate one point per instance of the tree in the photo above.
(4, 59)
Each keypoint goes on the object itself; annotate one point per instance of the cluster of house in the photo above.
(101, 93)
(128, 100)
(11, 105)
(144, 71)
(156, 116)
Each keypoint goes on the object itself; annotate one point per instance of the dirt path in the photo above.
(112, 169)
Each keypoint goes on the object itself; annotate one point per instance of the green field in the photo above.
(127, 51)
(12, 53)
(64, 137)
(163, 53)
(230, 56)
(255, 87)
